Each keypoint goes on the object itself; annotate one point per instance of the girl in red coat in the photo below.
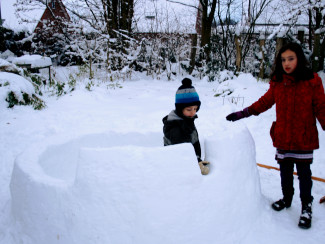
(299, 97)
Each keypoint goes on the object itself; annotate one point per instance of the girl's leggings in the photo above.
(304, 176)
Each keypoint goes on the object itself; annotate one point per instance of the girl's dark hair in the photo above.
(302, 71)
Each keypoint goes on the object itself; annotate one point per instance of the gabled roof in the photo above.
(54, 11)
(11, 20)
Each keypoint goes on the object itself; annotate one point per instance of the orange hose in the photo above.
(322, 200)
(295, 173)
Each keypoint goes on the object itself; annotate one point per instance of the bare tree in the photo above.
(248, 28)
(225, 30)
(106, 19)
(314, 12)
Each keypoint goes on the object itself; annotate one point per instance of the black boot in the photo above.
(282, 203)
(305, 217)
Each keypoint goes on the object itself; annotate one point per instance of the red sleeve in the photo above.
(264, 103)
(319, 100)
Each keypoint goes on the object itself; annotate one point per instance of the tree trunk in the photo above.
(130, 15)
(238, 53)
(114, 17)
(207, 19)
(310, 28)
(322, 55)
(316, 53)
(126, 15)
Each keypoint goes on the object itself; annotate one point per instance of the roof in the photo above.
(11, 21)
(55, 13)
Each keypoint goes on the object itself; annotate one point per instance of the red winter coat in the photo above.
(298, 104)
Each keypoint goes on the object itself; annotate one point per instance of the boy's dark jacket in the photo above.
(179, 129)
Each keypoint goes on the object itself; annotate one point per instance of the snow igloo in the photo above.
(128, 188)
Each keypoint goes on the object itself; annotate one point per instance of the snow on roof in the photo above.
(11, 21)
(4, 62)
(36, 61)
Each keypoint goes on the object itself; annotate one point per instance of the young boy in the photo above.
(179, 125)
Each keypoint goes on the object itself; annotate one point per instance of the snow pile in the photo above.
(6, 55)
(17, 84)
(6, 66)
(16, 90)
(127, 188)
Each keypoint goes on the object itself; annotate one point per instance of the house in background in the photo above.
(53, 19)
(51, 32)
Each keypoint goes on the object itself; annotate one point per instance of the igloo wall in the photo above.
(128, 188)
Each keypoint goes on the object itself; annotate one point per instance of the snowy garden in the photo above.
(91, 167)
(81, 105)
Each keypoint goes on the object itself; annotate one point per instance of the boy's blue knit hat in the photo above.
(186, 96)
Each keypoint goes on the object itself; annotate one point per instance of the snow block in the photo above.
(127, 188)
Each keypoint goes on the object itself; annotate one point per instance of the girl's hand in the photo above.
(238, 115)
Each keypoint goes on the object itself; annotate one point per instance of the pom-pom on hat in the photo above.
(186, 96)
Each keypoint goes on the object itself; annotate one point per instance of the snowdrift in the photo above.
(127, 188)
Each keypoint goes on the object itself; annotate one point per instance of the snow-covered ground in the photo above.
(91, 168)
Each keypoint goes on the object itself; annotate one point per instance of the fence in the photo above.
(317, 58)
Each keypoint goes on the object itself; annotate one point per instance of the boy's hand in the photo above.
(204, 169)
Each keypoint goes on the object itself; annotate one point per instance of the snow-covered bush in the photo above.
(19, 87)
(16, 90)
(16, 42)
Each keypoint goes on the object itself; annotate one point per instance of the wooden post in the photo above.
(193, 52)
(279, 43)
(301, 33)
(90, 68)
(238, 52)
(316, 53)
(322, 55)
(50, 78)
(262, 48)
